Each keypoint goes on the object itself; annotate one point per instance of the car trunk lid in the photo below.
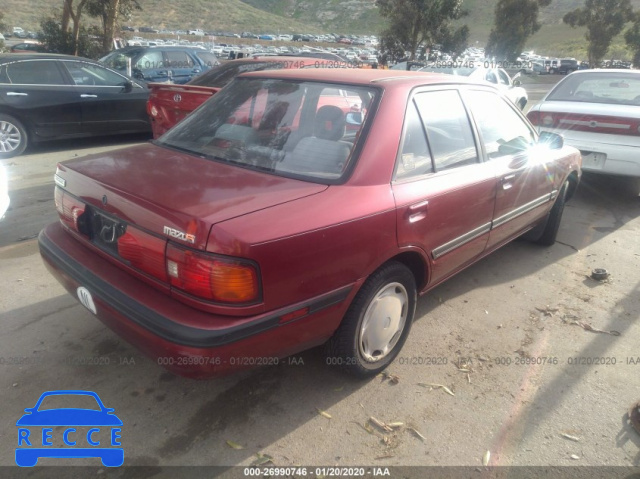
(172, 194)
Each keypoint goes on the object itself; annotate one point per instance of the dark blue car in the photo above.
(174, 64)
(34, 443)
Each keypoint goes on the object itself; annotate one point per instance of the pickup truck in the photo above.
(169, 103)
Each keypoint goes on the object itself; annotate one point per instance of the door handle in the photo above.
(506, 181)
(15, 93)
(86, 95)
(417, 211)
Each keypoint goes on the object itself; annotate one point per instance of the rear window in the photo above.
(219, 76)
(595, 87)
(299, 129)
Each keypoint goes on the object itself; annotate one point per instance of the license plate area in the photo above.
(105, 231)
(593, 160)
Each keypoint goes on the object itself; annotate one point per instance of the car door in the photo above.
(524, 186)
(38, 92)
(182, 66)
(110, 102)
(151, 67)
(444, 195)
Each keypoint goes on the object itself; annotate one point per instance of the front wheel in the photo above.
(13, 137)
(376, 324)
(552, 225)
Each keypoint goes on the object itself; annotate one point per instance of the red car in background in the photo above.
(261, 226)
(168, 104)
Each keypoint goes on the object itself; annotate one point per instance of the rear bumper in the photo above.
(186, 341)
(621, 159)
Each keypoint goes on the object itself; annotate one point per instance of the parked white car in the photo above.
(497, 76)
(598, 112)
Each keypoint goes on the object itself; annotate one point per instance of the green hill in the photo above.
(314, 16)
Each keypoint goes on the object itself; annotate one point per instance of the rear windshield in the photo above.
(306, 130)
(599, 87)
(219, 76)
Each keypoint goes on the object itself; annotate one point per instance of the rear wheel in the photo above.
(376, 324)
(13, 137)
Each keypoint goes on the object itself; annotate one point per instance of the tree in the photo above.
(604, 19)
(58, 40)
(3, 27)
(515, 21)
(412, 23)
(632, 39)
(109, 12)
(69, 12)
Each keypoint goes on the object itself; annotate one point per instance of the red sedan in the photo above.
(261, 225)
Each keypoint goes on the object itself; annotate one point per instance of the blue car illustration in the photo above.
(34, 444)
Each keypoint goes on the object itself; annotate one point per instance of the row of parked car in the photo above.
(168, 83)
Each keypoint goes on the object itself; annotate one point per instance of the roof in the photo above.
(361, 76)
(7, 57)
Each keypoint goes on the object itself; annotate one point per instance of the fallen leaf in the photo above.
(395, 425)
(338, 389)
(385, 456)
(380, 424)
(262, 459)
(324, 413)
(234, 445)
(574, 456)
(437, 386)
(486, 458)
(570, 437)
(417, 433)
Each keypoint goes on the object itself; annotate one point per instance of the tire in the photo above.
(552, 225)
(384, 305)
(13, 137)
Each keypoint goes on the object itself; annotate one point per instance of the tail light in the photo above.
(534, 117)
(203, 275)
(212, 277)
(70, 210)
(144, 252)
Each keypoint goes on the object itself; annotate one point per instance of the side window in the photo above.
(208, 59)
(491, 77)
(415, 157)
(503, 77)
(503, 131)
(448, 129)
(151, 59)
(178, 59)
(87, 74)
(34, 73)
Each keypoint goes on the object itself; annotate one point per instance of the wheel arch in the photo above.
(573, 184)
(414, 263)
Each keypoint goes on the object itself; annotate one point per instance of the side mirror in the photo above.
(127, 87)
(517, 83)
(551, 140)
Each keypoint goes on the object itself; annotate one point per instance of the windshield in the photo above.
(300, 129)
(599, 87)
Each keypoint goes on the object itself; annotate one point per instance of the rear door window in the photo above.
(33, 72)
